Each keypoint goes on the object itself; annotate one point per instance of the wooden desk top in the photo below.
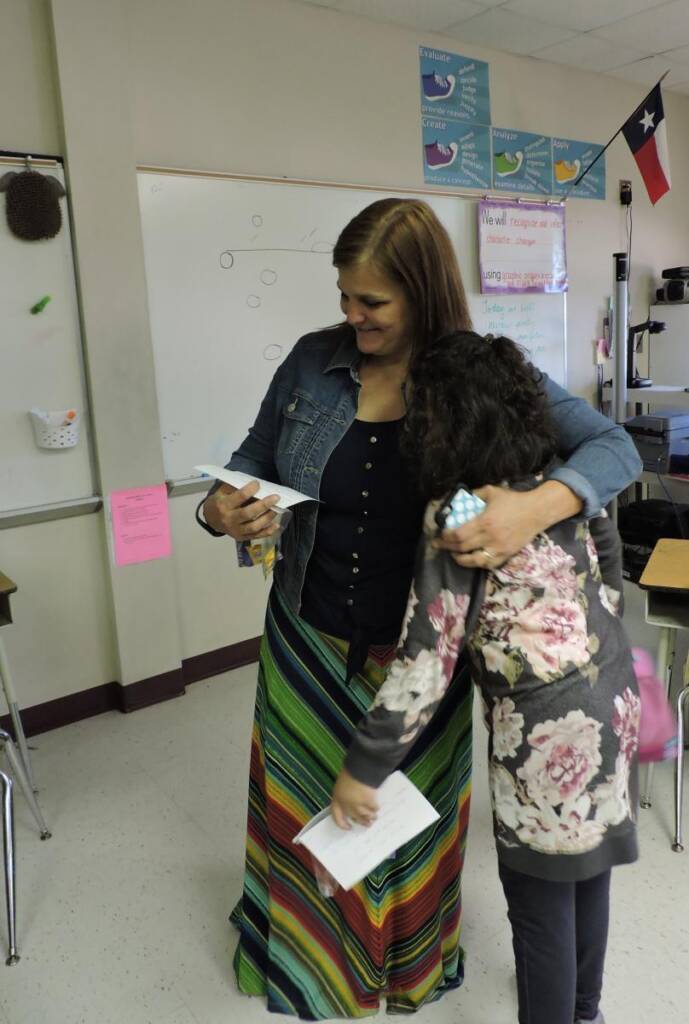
(668, 566)
(7, 586)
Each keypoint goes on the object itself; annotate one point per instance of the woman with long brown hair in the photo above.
(330, 426)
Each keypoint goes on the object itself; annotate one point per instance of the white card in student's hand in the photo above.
(403, 813)
(287, 495)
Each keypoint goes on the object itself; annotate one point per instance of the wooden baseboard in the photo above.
(151, 691)
(223, 660)
(113, 697)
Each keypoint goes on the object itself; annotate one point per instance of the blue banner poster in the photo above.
(454, 86)
(570, 158)
(522, 162)
(455, 153)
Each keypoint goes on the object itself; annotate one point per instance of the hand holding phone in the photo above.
(462, 507)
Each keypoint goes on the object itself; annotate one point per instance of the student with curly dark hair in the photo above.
(477, 405)
(547, 650)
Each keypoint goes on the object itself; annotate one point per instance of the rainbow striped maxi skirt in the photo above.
(396, 934)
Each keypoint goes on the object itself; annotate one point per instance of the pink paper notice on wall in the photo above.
(140, 524)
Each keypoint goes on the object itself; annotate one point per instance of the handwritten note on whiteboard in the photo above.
(521, 247)
(350, 856)
(536, 322)
(140, 524)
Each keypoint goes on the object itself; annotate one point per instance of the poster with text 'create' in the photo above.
(456, 153)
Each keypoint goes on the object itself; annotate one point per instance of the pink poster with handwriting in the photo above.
(140, 524)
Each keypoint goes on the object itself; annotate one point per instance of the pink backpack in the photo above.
(658, 730)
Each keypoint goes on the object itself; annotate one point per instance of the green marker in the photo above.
(40, 305)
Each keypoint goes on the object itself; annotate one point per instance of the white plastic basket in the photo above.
(55, 429)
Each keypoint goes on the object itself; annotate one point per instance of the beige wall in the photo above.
(62, 638)
(275, 87)
(29, 110)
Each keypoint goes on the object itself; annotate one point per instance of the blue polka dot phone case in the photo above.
(463, 507)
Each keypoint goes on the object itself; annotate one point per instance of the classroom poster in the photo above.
(456, 153)
(461, 150)
(522, 162)
(521, 247)
(454, 86)
(570, 158)
(140, 524)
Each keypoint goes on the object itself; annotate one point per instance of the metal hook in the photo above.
(27, 162)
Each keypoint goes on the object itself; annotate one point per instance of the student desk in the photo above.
(20, 766)
(7, 587)
(666, 582)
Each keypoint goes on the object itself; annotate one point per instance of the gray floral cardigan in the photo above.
(551, 658)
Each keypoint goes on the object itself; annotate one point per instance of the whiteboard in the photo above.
(238, 270)
(40, 366)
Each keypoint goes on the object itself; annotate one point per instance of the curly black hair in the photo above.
(477, 414)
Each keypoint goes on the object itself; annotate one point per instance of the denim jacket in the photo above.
(312, 402)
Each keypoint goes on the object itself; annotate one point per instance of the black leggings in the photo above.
(559, 933)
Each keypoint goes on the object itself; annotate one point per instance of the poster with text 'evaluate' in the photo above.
(454, 86)
(521, 247)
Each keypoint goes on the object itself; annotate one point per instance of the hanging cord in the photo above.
(678, 517)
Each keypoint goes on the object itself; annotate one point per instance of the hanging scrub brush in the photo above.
(32, 203)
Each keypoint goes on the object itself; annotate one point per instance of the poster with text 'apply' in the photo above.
(570, 158)
(521, 247)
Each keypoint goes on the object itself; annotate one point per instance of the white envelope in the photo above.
(288, 497)
(403, 813)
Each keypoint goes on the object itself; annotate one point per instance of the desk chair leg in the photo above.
(11, 697)
(18, 772)
(8, 837)
(664, 662)
(679, 779)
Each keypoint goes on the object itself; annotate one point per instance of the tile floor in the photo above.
(122, 915)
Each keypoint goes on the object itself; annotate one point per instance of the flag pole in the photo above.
(592, 164)
(610, 142)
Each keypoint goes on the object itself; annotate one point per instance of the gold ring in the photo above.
(489, 556)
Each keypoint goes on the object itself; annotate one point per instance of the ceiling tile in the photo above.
(680, 56)
(504, 30)
(649, 70)
(653, 31)
(581, 15)
(589, 53)
(649, 37)
(424, 15)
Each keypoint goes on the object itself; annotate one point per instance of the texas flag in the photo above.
(647, 138)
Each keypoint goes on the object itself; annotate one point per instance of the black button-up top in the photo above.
(369, 522)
